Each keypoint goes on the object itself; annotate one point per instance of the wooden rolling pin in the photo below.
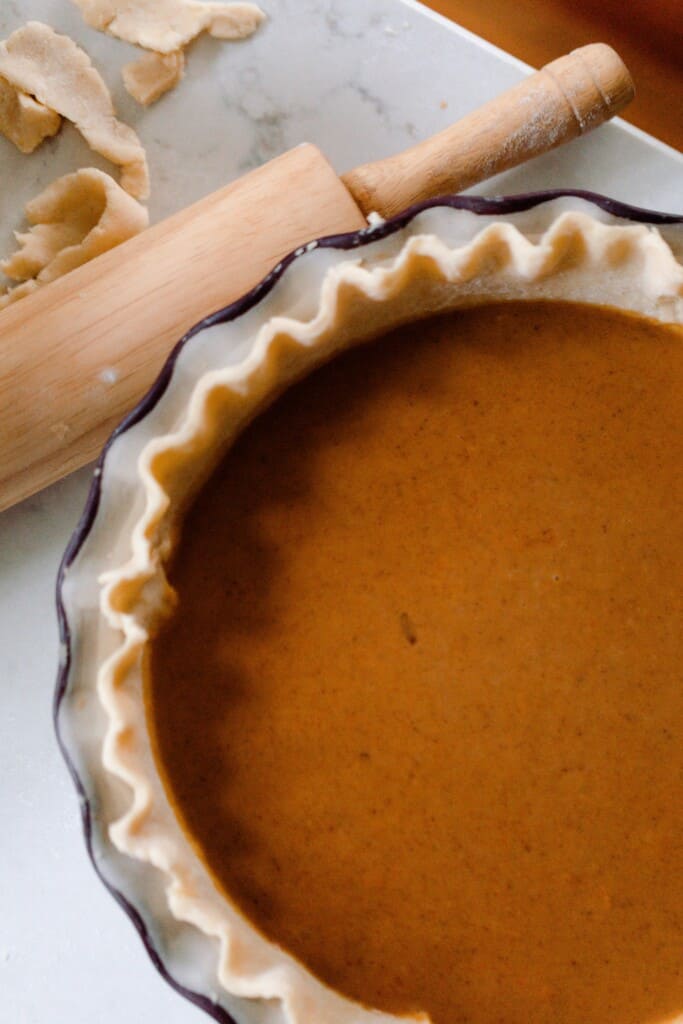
(77, 355)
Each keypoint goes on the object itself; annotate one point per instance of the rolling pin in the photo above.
(79, 353)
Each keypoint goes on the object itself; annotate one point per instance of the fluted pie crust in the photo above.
(577, 258)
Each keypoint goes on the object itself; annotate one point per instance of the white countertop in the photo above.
(361, 80)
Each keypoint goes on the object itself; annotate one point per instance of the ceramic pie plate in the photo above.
(113, 590)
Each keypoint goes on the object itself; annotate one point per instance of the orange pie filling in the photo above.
(420, 706)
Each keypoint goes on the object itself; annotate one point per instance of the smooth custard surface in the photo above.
(421, 707)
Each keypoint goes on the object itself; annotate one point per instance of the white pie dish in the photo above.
(459, 251)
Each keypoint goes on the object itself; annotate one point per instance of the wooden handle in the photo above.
(568, 97)
(76, 355)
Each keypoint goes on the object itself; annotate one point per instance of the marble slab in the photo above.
(362, 80)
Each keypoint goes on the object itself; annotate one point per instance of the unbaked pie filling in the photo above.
(419, 706)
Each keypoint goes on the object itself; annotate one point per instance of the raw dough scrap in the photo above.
(75, 219)
(168, 25)
(148, 78)
(14, 294)
(25, 121)
(53, 69)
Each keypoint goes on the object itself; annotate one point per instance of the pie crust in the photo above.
(113, 585)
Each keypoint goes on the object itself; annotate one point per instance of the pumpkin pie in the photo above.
(394, 671)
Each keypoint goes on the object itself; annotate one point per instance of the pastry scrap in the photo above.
(23, 120)
(75, 219)
(148, 78)
(167, 25)
(20, 291)
(59, 74)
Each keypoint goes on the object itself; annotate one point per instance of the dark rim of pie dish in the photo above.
(345, 242)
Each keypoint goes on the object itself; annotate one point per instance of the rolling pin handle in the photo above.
(568, 97)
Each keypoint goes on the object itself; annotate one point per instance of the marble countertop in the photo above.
(361, 80)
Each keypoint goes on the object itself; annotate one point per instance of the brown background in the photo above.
(647, 34)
